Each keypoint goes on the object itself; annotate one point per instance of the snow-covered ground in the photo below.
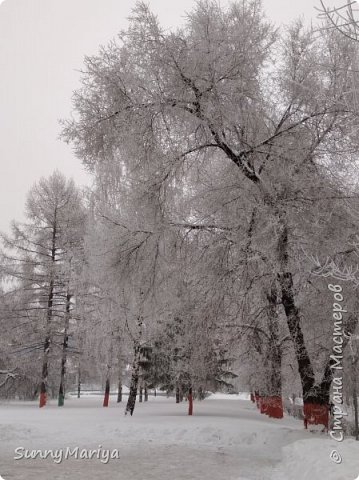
(226, 438)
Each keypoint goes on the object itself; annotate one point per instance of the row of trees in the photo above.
(224, 160)
(63, 305)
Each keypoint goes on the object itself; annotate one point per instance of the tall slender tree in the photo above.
(37, 254)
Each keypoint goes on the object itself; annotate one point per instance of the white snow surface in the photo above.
(225, 438)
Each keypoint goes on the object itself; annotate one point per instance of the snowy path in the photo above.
(225, 439)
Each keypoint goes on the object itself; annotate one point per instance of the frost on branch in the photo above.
(343, 18)
(330, 268)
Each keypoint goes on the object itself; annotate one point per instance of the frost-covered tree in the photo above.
(38, 257)
(343, 18)
(274, 113)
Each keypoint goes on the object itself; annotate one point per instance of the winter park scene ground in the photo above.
(226, 438)
(187, 305)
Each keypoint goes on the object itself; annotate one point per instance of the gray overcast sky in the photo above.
(42, 45)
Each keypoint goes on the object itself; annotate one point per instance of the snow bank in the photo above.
(310, 459)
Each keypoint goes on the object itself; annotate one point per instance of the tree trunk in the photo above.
(354, 365)
(190, 402)
(355, 403)
(177, 395)
(131, 402)
(79, 381)
(146, 393)
(108, 372)
(293, 320)
(47, 342)
(107, 392)
(313, 393)
(315, 400)
(44, 373)
(274, 356)
(275, 352)
(140, 398)
(61, 399)
(119, 392)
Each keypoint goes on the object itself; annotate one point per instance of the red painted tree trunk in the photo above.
(42, 402)
(275, 407)
(44, 375)
(315, 414)
(263, 404)
(107, 393)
